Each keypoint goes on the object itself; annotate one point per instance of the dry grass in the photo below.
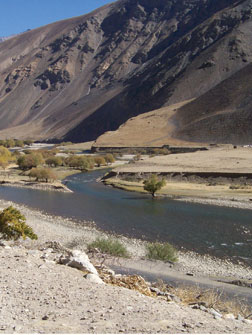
(190, 295)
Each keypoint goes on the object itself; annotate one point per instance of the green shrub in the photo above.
(109, 246)
(161, 251)
(13, 225)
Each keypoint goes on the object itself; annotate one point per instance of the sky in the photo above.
(17, 16)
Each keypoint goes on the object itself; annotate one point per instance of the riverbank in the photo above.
(78, 235)
(56, 186)
(218, 195)
(219, 176)
(39, 295)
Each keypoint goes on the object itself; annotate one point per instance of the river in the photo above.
(219, 231)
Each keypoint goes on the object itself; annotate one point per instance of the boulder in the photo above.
(93, 278)
(79, 260)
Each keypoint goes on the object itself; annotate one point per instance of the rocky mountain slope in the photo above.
(76, 79)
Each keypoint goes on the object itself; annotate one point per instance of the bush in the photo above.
(109, 246)
(13, 225)
(161, 251)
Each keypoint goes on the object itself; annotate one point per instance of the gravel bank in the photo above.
(77, 235)
(40, 296)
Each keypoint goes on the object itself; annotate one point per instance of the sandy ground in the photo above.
(235, 192)
(41, 296)
(221, 159)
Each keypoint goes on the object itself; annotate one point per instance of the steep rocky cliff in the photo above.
(76, 79)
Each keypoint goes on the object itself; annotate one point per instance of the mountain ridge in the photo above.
(78, 78)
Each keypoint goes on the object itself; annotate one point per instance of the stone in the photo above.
(93, 278)
(240, 318)
(215, 313)
(203, 308)
(229, 316)
(79, 260)
(111, 272)
(248, 322)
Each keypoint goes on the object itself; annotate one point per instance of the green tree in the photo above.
(42, 174)
(3, 162)
(99, 161)
(10, 143)
(153, 184)
(13, 225)
(54, 161)
(5, 152)
(109, 158)
(29, 161)
(19, 143)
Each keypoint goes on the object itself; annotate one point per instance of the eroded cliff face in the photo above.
(78, 78)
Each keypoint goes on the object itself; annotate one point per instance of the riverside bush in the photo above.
(109, 246)
(161, 251)
(13, 225)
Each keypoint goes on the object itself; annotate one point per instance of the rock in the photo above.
(46, 317)
(3, 244)
(175, 298)
(155, 290)
(248, 322)
(79, 260)
(203, 308)
(229, 316)
(240, 318)
(195, 306)
(111, 272)
(7, 247)
(215, 313)
(93, 278)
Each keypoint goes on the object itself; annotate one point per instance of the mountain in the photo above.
(78, 78)
(5, 38)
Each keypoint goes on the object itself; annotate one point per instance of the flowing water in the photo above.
(220, 231)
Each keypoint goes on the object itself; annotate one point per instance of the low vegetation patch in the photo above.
(109, 246)
(13, 225)
(161, 251)
(196, 296)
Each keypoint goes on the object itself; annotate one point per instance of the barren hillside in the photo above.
(76, 79)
